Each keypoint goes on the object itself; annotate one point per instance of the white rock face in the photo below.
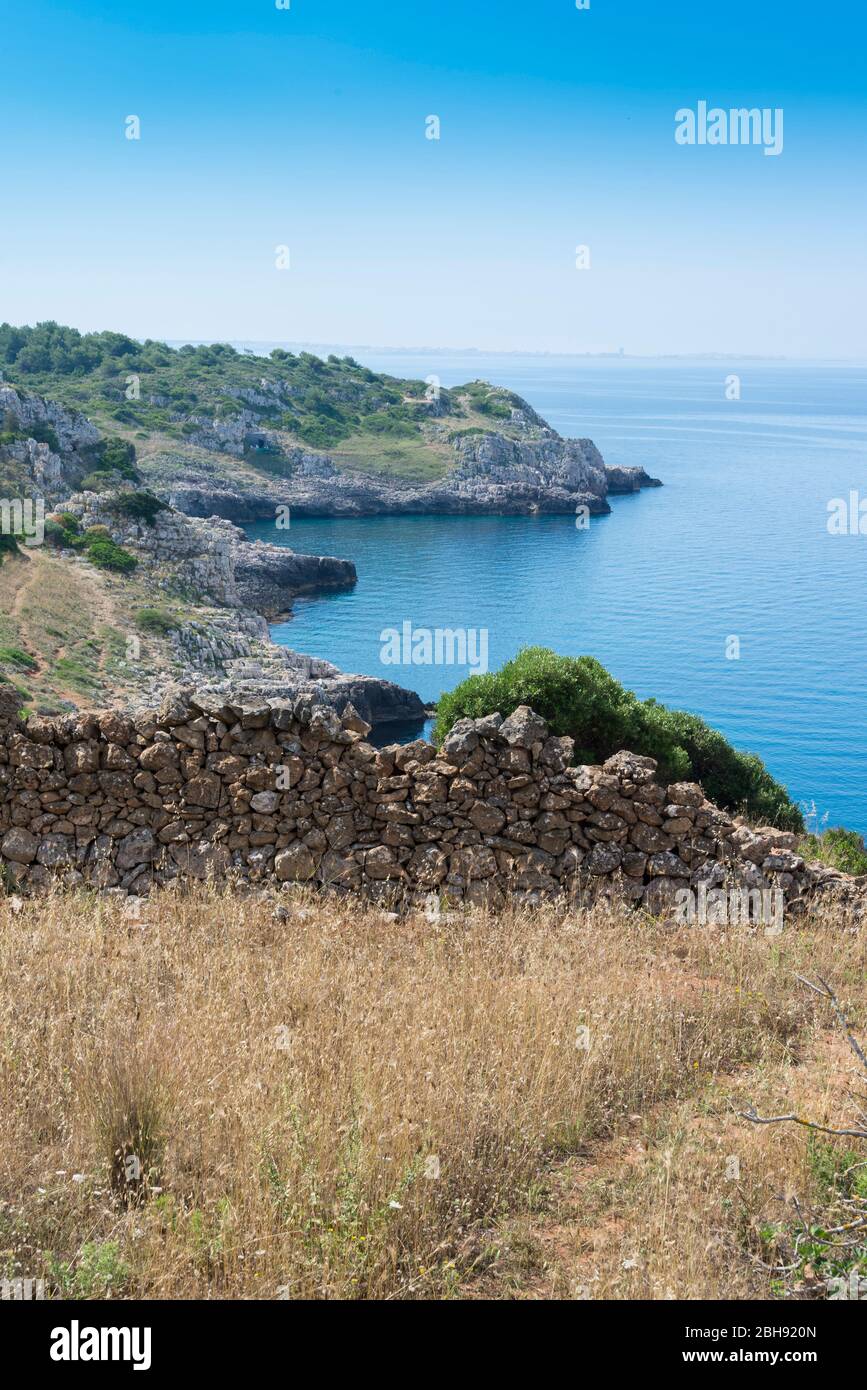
(51, 472)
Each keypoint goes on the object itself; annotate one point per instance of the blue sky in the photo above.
(263, 127)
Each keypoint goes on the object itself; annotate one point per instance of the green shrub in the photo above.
(98, 1271)
(14, 656)
(490, 400)
(43, 434)
(60, 536)
(95, 482)
(578, 697)
(392, 424)
(841, 849)
(107, 555)
(321, 433)
(494, 407)
(8, 545)
(139, 506)
(114, 455)
(156, 620)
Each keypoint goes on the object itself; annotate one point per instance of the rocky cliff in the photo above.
(232, 586)
(490, 473)
(212, 557)
(45, 447)
(269, 576)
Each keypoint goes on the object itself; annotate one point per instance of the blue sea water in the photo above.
(735, 544)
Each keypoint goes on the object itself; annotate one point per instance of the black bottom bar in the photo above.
(230, 1338)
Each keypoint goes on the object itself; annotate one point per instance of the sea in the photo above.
(737, 591)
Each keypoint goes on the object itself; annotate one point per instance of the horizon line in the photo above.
(310, 346)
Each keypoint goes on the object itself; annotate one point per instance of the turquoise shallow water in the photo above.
(735, 543)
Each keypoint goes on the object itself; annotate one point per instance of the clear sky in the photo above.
(263, 127)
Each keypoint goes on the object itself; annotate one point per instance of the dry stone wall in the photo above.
(293, 792)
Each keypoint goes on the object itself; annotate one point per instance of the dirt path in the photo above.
(24, 569)
(88, 607)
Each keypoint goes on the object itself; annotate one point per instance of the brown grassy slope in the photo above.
(66, 628)
(336, 1104)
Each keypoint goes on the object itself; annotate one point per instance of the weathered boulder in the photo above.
(139, 847)
(523, 728)
(19, 846)
(55, 851)
(296, 864)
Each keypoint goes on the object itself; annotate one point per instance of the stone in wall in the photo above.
(290, 792)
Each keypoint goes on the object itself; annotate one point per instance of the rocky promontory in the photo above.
(212, 556)
(270, 576)
(490, 473)
(210, 438)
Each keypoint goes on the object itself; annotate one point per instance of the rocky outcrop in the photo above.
(211, 557)
(289, 791)
(265, 673)
(269, 576)
(491, 473)
(622, 480)
(229, 646)
(199, 554)
(50, 466)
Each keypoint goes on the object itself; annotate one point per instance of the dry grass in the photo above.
(326, 1102)
(72, 622)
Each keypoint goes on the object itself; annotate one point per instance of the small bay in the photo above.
(735, 545)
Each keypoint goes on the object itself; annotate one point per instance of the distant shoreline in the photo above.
(266, 345)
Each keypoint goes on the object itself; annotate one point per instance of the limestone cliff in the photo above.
(491, 472)
(45, 449)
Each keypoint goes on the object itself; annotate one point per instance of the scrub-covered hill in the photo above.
(223, 432)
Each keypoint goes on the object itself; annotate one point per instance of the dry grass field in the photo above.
(285, 1096)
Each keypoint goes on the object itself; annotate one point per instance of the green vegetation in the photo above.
(103, 552)
(378, 422)
(578, 697)
(157, 621)
(97, 1272)
(8, 545)
(493, 401)
(841, 849)
(139, 506)
(815, 1248)
(15, 657)
(96, 482)
(113, 461)
(64, 531)
(115, 455)
(320, 401)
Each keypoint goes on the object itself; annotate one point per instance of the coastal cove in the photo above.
(734, 545)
